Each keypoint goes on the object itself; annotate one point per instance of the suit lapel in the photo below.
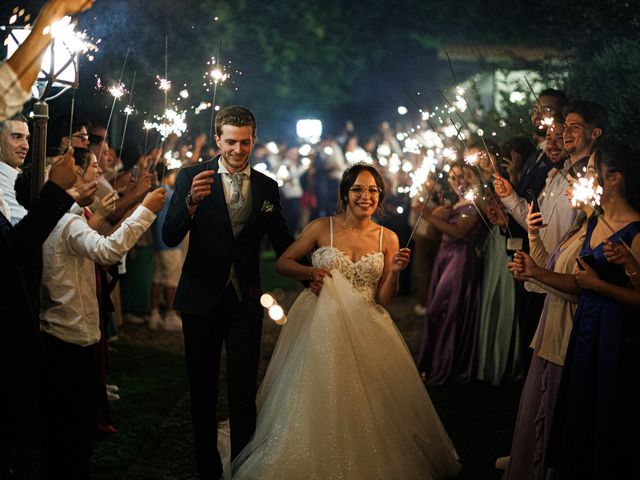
(256, 196)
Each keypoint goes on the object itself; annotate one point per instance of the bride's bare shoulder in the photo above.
(316, 228)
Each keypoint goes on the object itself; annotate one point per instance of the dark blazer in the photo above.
(212, 246)
(20, 245)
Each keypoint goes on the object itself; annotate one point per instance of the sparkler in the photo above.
(128, 111)
(38, 54)
(471, 196)
(116, 91)
(218, 76)
(504, 218)
(587, 193)
(546, 121)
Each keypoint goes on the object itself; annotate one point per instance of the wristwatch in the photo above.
(189, 200)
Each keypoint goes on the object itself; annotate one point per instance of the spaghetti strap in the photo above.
(331, 230)
(381, 229)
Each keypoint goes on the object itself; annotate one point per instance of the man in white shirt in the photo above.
(14, 146)
(70, 322)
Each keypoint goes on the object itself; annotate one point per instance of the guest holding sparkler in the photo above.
(450, 335)
(597, 412)
(540, 391)
(20, 71)
(20, 344)
(546, 110)
(70, 319)
(498, 336)
(584, 124)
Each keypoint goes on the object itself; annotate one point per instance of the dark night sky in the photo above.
(365, 56)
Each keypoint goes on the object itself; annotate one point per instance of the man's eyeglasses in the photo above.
(540, 110)
(359, 190)
(82, 136)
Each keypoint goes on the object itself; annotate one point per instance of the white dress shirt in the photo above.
(554, 205)
(69, 302)
(12, 97)
(8, 176)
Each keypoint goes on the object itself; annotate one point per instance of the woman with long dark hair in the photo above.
(597, 411)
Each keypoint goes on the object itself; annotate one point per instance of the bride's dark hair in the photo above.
(349, 178)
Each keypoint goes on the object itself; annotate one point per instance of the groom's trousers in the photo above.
(230, 323)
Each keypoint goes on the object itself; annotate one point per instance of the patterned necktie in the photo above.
(236, 202)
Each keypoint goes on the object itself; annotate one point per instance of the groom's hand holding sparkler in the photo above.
(200, 188)
(502, 186)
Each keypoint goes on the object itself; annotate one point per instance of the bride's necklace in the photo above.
(350, 228)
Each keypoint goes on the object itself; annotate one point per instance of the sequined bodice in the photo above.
(363, 274)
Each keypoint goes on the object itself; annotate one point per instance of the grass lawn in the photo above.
(154, 439)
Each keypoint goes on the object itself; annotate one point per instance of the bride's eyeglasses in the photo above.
(359, 190)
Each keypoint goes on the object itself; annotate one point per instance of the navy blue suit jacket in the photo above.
(212, 246)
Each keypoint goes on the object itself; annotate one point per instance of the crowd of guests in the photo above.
(512, 275)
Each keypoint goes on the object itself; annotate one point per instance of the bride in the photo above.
(342, 398)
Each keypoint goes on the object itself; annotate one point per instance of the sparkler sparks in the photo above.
(76, 42)
(117, 90)
(471, 159)
(163, 83)
(172, 121)
(584, 192)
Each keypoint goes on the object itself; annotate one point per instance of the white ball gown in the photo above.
(342, 398)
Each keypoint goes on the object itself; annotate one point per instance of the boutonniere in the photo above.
(267, 207)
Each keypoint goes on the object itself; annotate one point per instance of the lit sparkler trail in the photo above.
(117, 91)
(218, 76)
(471, 196)
(38, 54)
(128, 111)
(426, 202)
(480, 133)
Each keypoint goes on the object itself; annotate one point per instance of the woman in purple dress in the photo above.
(597, 414)
(449, 341)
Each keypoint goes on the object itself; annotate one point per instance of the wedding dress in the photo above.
(342, 398)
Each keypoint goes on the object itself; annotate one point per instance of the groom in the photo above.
(227, 208)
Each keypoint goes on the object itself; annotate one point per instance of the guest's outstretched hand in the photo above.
(502, 186)
(154, 200)
(523, 267)
(63, 171)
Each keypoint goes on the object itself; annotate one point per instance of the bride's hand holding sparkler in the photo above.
(401, 260)
(523, 267)
(502, 186)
